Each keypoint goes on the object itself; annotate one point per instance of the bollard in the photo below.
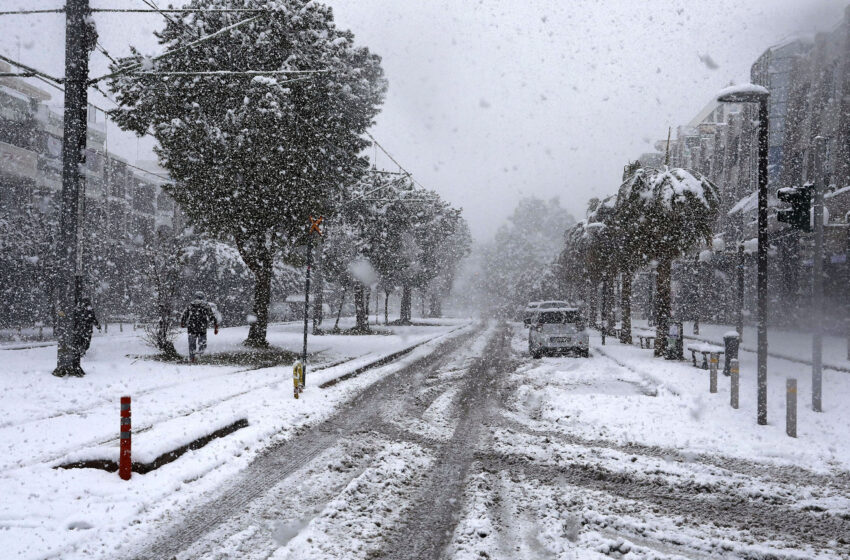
(712, 376)
(791, 407)
(124, 457)
(298, 378)
(603, 337)
(733, 371)
(731, 343)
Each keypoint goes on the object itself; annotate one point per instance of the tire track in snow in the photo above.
(282, 461)
(432, 518)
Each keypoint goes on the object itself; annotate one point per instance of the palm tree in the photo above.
(674, 209)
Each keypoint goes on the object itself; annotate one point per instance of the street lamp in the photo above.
(750, 93)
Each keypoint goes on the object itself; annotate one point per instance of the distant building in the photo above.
(121, 205)
(774, 69)
(125, 200)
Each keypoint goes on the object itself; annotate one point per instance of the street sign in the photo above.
(315, 223)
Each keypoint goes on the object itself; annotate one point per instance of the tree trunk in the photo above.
(377, 305)
(626, 307)
(262, 270)
(435, 304)
(386, 305)
(592, 301)
(662, 305)
(610, 312)
(406, 304)
(361, 308)
(339, 311)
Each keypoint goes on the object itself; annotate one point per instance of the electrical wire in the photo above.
(131, 67)
(153, 5)
(32, 12)
(409, 174)
(105, 53)
(31, 70)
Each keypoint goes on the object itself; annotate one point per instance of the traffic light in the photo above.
(798, 215)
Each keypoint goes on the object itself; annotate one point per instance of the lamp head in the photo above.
(745, 93)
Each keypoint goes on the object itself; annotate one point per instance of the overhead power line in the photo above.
(131, 67)
(183, 24)
(30, 12)
(215, 73)
(30, 69)
(103, 50)
(183, 10)
(409, 174)
(139, 11)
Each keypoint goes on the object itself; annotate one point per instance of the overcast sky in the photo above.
(489, 100)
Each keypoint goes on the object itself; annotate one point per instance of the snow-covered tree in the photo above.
(162, 266)
(254, 156)
(678, 207)
(517, 263)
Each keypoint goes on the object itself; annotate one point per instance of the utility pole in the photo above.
(817, 273)
(79, 40)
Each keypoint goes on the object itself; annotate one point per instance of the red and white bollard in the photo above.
(124, 458)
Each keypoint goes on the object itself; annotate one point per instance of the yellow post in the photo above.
(298, 378)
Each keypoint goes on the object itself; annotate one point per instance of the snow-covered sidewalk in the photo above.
(627, 455)
(49, 421)
(685, 415)
(792, 345)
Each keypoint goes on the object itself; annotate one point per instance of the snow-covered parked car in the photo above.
(558, 330)
(534, 306)
(529, 311)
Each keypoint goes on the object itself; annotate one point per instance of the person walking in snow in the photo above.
(196, 320)
(84, 322)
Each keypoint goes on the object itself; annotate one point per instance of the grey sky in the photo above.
(490, 101)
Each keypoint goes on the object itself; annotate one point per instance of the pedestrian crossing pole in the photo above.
(314, 228)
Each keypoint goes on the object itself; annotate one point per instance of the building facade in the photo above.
(121, 207)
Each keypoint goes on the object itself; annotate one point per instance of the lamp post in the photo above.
(750, 93)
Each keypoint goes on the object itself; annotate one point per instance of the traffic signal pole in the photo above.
(78, 39)
(817, 273)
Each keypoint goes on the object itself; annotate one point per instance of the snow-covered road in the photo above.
(478, 451)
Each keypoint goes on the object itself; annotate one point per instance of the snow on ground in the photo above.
(705, 423)
(627, 455)
(354, 524)
(83, 513)
(685, 415)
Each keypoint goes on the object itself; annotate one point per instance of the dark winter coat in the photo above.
(84, 321)
(197, 317)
